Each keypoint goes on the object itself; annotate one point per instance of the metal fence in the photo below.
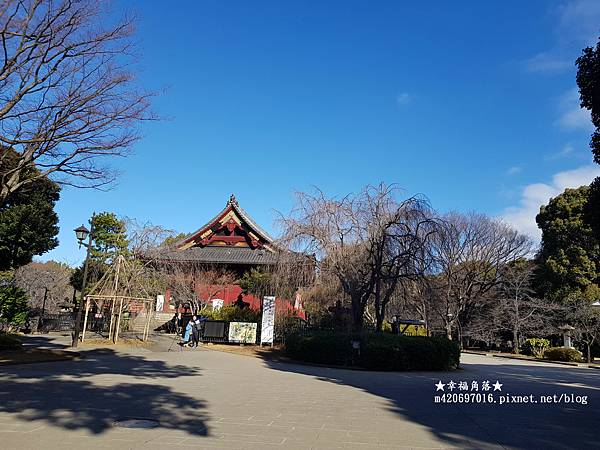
(57, 322)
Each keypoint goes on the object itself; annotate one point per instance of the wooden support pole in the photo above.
(87, 310)
(148, 318)
(118, 321)
(112, 316)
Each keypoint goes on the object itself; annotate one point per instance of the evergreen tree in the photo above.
(28, 223)
(570, 252)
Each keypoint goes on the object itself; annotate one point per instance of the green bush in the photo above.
(563, 354)
(9, 342)
(232, 314)
(13, 306)
(535, 347)
(377, 351)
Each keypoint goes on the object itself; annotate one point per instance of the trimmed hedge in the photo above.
(563, 354)
(8, 342)
(378, 351)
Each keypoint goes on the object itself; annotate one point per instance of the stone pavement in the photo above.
(212, 400)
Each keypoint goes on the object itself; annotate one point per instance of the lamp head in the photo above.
(82, 233)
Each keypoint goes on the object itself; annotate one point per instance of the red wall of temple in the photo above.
(229, 294)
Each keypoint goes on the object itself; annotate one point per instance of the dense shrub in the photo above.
(377, 351)
(563, 354)
(13, 306)
(535, 347)
(8, 342)
(232, 314)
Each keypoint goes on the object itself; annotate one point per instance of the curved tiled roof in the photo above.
(220, 255)
(234, 205)
(188, 250)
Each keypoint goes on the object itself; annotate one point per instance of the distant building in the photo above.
(230, 241)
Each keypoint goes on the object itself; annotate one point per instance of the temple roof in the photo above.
(242, 217)
(221, 255)
(231, 237)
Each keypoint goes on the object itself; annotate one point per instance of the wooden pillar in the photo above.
(87, 310)
(115, 287)
(148, 318)
(118, 320)
(112, 317)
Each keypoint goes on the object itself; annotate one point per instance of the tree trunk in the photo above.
(379, 309)
(357, 314)
(449, 330)
(589, 352)
(515, 341)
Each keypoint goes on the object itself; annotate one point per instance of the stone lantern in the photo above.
(566, 331)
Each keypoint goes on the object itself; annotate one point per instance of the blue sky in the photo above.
(473, 104)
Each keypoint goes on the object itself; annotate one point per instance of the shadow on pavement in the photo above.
(63, 395)
(105, 361)
(524, 426)
(44, 341)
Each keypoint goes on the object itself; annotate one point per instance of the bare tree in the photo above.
(469, 253)
(585, 317)
(517, 308)
(46, 284)
(194, 284)
(398, 235)
(145, 237)
(67, 96)
(368, 241)
(330, 229)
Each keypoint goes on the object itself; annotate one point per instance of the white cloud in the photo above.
(572, 116)
(522, 217)
(548, 63)
(404, 98)
(514, 170)
(578, 21)
(576, 26)
(565, 152)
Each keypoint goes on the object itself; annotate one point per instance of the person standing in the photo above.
(196, 327)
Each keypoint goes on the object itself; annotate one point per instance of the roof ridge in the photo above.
(234, 205)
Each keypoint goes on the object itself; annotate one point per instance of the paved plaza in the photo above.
(208, 399)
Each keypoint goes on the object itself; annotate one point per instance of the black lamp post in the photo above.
(82, 233)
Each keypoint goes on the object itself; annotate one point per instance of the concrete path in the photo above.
(206, 399)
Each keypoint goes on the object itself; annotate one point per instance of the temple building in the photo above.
(231, 242)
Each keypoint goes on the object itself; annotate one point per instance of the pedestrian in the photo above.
(187, 334)
(196, 329)
(179, 323)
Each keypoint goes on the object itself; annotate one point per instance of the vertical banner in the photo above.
(268, 320)
(160, 302)
(217, 303)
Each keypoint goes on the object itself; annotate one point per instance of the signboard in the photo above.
(268, 320)
(160, 302)
(217, 304)
(242, 332)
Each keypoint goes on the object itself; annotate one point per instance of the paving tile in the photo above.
(240, 403)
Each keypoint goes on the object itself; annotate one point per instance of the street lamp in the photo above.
(82, 233)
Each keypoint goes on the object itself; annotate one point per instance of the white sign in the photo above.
(268, 320)
(217, 304)
(160, 302)
(242, 332)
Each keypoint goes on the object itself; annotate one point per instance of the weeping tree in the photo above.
(368, 241)
(398, 239)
